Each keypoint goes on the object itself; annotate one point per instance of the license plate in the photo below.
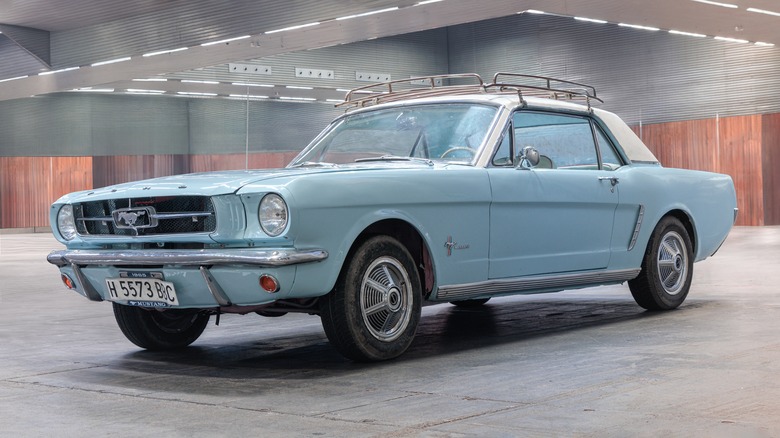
(142, 289)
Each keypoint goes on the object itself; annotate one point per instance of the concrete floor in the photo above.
(582, 363)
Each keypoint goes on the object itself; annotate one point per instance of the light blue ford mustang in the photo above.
(451, 193)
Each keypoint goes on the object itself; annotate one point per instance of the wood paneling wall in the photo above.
(770, 159)
(731, 145)
(745, 147)
(28, 186)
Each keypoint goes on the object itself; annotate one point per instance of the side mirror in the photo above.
(529, 157)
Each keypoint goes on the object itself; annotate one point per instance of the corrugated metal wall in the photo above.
(74, 124)
(196, 21)
(414, 54)
(97, 125)
(643, 76)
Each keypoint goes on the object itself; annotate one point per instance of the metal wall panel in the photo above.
(419, 53)
(643, 76)
(16, 61)
(81, 124)
(188, 23)
(218, 126)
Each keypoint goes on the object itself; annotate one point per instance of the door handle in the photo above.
(612, 179)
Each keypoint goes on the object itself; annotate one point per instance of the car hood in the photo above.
(208, 183)
(201, 184)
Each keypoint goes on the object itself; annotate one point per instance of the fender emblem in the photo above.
(450, 245)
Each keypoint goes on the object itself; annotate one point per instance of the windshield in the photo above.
(439, 132)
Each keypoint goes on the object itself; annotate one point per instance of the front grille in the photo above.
(146, 216)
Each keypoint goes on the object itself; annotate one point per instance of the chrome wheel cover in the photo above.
(386, 299)
(672, 261)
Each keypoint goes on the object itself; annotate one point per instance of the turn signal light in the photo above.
(68, 282)
(269, 283)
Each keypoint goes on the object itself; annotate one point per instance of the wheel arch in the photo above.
(410, 237)
(687, 222)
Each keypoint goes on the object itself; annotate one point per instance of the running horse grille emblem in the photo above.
(135, 218)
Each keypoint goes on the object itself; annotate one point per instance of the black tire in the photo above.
(470, 304)
(667, 268)
(373, 312)
(160, 330)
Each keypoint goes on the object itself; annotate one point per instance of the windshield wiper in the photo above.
(395, 158)
(314, 164)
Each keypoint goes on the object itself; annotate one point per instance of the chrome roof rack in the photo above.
(383, 91)
(547, 87)
(503, 83)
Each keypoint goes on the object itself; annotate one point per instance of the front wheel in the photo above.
(372, 313)
(160, 330)
(667, 268)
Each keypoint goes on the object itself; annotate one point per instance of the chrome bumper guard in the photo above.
(186, 257)
(202, 258)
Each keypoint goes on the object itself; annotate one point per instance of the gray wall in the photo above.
(642, 76)
(97, 125)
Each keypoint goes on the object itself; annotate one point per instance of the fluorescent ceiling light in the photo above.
(533, 11)
(636, 26)
(142, 91)
(151, 80)
(762, 44)
(427, 2)
(192, 81)
(192, 93)
(724, 5)
(163, 52)
(300, 26)
(591, 20)
(764, 11)
(368, 13)
(227, 40)
(679, 32)
(249, 84)
(336, 100)
(297, 98)
(297, 87)
(13, 79)
(57, 71)
(248, 96)
(731, 40)
(110, 61)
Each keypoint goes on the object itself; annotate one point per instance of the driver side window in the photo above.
(563, 141)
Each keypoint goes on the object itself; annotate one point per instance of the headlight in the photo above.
(65, 222)
(273, 214)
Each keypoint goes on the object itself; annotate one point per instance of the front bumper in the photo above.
(232, 265)
(185, 257)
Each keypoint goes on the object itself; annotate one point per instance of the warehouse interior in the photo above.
(99, 93)
(92, 95)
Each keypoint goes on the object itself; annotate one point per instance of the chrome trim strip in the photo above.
(640, 217)
(89, 291)
(216, 290)
(186, 257)
(538, 282)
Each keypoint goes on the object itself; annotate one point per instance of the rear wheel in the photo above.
(160, 330)
(667, 268)
(372, 313)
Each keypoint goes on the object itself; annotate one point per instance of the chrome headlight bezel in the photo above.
(273, 214)
(66, 222)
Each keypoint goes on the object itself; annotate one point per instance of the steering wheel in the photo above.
(458, 148)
